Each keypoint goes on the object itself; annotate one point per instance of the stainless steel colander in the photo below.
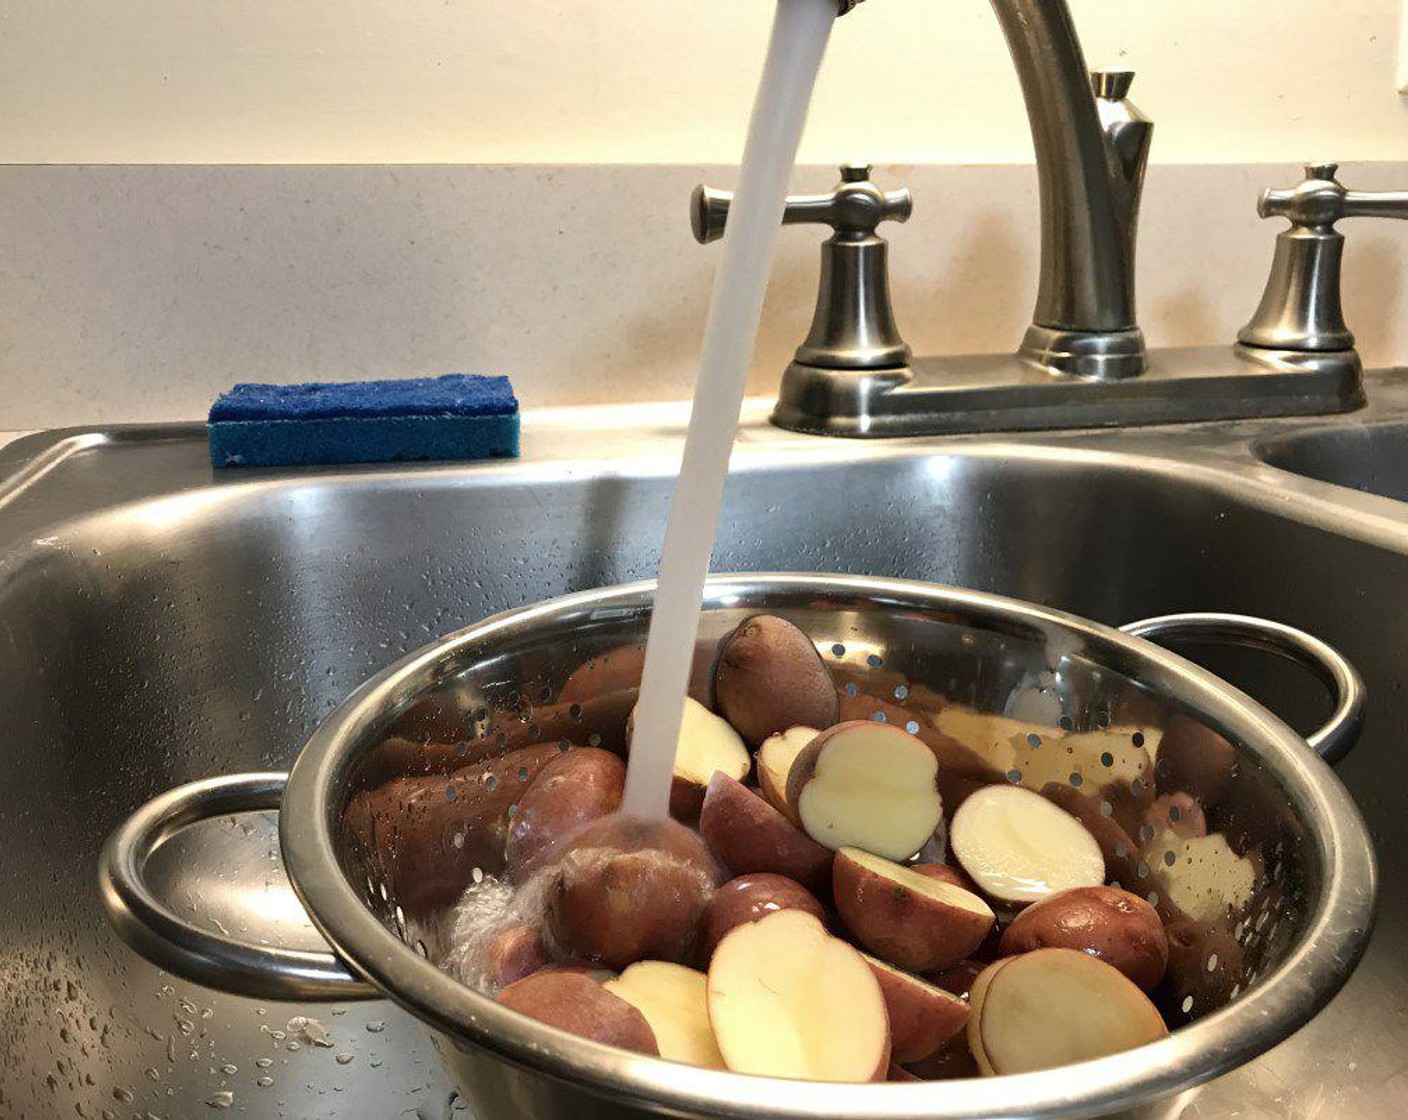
(384, 825)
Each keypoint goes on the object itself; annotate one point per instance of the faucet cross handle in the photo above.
(1321, 200)
(853, 327)
(1300, 308)
(854, 207)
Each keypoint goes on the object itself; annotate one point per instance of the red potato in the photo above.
(572, 1001)
(869, 786)
(786, 999)
(569, 793)
(769, 677)
(913, 921)
(1019, 847)
(750, 897)
(707, 745)
(1119, 928)
(630, 891)
(775, 758)
(945, 873)
(674, 1001)
(1055, 1007)
(513, 953)
(423, 837)
(923, 1018)
(749, 835)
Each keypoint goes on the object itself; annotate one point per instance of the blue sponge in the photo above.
(451, 417)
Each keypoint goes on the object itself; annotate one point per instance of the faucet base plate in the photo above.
(1007, 392)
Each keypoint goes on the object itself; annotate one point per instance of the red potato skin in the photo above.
(946, 873)
(1113, 925)
(769, 677)
(749, 836)
(899, 1073)
(898, 926)
(921, 1022)
(514, 953)
(405, 832)
(572, 1001)
(750, 897)
(570, 792)
(630, 891)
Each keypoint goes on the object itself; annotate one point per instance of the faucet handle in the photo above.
(1300, 308)
(853, 327)
(854, 207)
(1320, 200)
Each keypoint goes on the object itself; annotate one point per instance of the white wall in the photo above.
(667, 81)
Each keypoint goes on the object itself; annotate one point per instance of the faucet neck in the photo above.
(1090, 156)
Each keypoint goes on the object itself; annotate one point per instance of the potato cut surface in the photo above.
(787, 999)
(673, 1000)
(1019, 847)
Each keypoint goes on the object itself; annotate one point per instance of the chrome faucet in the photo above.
(1082, 362)
(1092, 146)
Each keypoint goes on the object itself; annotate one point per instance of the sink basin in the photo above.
(159, 623)
(1368, 457)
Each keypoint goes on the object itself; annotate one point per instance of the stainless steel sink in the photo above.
(1368, 457)
(160, 623)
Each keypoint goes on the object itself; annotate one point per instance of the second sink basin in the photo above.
(1369, 457)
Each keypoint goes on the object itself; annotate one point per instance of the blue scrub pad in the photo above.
(451, 417)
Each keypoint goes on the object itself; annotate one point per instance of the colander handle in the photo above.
(175, 944)
(1332, 741)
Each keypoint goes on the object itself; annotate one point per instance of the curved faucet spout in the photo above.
(1091, 150)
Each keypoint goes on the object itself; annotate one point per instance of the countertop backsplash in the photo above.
(137, 293)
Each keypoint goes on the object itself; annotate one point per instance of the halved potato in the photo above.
(786, 999)
(913, 921)
(1054, 1007)
(868, 786)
